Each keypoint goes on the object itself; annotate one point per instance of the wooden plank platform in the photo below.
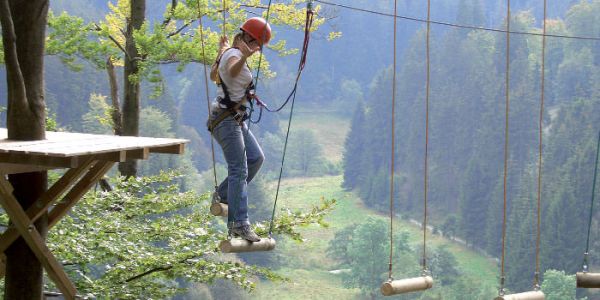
(89, 157)
(69, 150)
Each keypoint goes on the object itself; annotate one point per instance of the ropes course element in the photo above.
(237, 245)
(425, 281)
(216, 208)
(506, 113)
(393, 139)
(536, 281)
(536, 294)
(585, 279)
(231, 245)
(457, 25)
(307, 26)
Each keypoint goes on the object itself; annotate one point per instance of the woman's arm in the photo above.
(214, 70)
(235, 64)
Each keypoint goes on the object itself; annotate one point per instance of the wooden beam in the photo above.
(143, 153)
(8, 168)
(172, 149)
(46, 161)
(114, 156)
(35, 241)
(45, 201)
(84, 185)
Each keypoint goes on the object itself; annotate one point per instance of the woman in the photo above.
(242, 152)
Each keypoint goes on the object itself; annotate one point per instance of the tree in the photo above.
(559, 286)
(361, 248)
(146, 236)
(23, 35)
(125, 38)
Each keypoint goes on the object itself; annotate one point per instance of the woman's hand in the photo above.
(247, 50)
(223, 43)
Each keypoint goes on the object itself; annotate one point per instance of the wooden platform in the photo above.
(69, 150)
(88, 157)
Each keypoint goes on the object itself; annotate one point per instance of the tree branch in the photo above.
(180, 29)
(168, 19)
(10, 55)
(112, 39)
(159, 269)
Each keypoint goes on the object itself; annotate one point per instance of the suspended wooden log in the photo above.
(533, 295)
(588, 280)
(402, 286)
(241, 245)
(218, 209)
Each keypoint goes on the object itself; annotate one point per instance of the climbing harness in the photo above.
(425, 281)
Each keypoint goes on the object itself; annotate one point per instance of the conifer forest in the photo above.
(455, 140)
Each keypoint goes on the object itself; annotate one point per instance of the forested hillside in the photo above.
(467, 137)
(342, 128)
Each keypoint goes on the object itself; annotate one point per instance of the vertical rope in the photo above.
(212, 143)
(425, 186)
(224, 30)
(507, 101)
(393, 147)
(587, 243)
(261, 47)
(536, 282)
(307, 27)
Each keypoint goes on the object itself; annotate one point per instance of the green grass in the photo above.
(330, 130)
(308, 264)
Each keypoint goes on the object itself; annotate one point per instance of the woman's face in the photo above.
(250, 41)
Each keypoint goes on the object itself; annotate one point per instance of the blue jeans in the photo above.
(244, 158)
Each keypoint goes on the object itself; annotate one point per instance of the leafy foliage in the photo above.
(142, 238)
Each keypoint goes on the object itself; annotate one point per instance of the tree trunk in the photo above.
(114, 96)
(131, 101)
(23, 34)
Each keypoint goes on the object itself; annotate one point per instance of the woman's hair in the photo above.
(238, 37)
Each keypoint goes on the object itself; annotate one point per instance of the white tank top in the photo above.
(236, 86)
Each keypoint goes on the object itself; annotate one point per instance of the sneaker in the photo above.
(246, 233)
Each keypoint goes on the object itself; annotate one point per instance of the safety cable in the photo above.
(307, 26)
(392, 165)
(587, 243)
(536, 281)
(507, 101)
(425, 186)
(458, 25)
(212, 144)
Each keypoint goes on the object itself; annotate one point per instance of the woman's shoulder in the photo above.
(231, 52)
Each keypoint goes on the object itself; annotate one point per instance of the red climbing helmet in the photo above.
(257, 28)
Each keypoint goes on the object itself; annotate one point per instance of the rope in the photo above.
(459, 25)
(507, 92)
(224, 30)
(393, 149)
(212, 143)
(536, 282)
(587, 243)
(258, 70)
(426, 138)
(307, 26)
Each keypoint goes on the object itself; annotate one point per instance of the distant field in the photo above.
(330, 130)
(308, 262)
